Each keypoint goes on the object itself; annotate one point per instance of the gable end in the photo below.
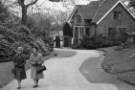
(108, 12)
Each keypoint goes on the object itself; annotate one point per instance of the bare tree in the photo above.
(62, 17)
(25, 8)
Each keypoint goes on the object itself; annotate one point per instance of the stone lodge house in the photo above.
(109, 18)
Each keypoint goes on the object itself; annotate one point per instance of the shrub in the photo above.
(43, 47)
(5, 51)
(27, 47)
(10, 40)
(88, 43)
(76, 46)
(21, 36)
(91, 43)
(49, 43)
(97, 42)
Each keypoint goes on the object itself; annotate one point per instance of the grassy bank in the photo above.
(120, 63)
(92, 71)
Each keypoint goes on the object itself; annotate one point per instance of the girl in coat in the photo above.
(36, 61)
(19, 61)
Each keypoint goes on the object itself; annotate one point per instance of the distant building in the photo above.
(54, 34)
(108, 18)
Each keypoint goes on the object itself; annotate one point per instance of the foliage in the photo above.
(14, 34)
(3, 13)
(39, 25)
(96, 42)
(25, 7)
(5, 52)
(132, 3)
(26, 46)
(23, 30)
(21, 37)
(11, 40)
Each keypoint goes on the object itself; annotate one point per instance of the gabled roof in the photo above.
(98, 10)
(84, 10)
(99, 19)
(88, 11)
(103, 8)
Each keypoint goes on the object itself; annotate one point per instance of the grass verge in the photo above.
(120, 63)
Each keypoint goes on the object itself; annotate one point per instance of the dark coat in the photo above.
(19, 66)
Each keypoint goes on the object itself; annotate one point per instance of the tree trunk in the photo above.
(24, 9)
(24, 15)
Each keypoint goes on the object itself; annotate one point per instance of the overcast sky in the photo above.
(59, 5)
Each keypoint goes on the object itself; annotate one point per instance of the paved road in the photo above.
(64, 74)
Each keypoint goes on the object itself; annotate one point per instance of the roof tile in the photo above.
(96, 9)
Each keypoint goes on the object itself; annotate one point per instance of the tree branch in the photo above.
(132, 3)
(32, 3)
(21, 2)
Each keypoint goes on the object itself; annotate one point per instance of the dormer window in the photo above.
(117, 15)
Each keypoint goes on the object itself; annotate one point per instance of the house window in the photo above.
(117, 15)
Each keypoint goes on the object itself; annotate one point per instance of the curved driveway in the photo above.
(64, 74)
